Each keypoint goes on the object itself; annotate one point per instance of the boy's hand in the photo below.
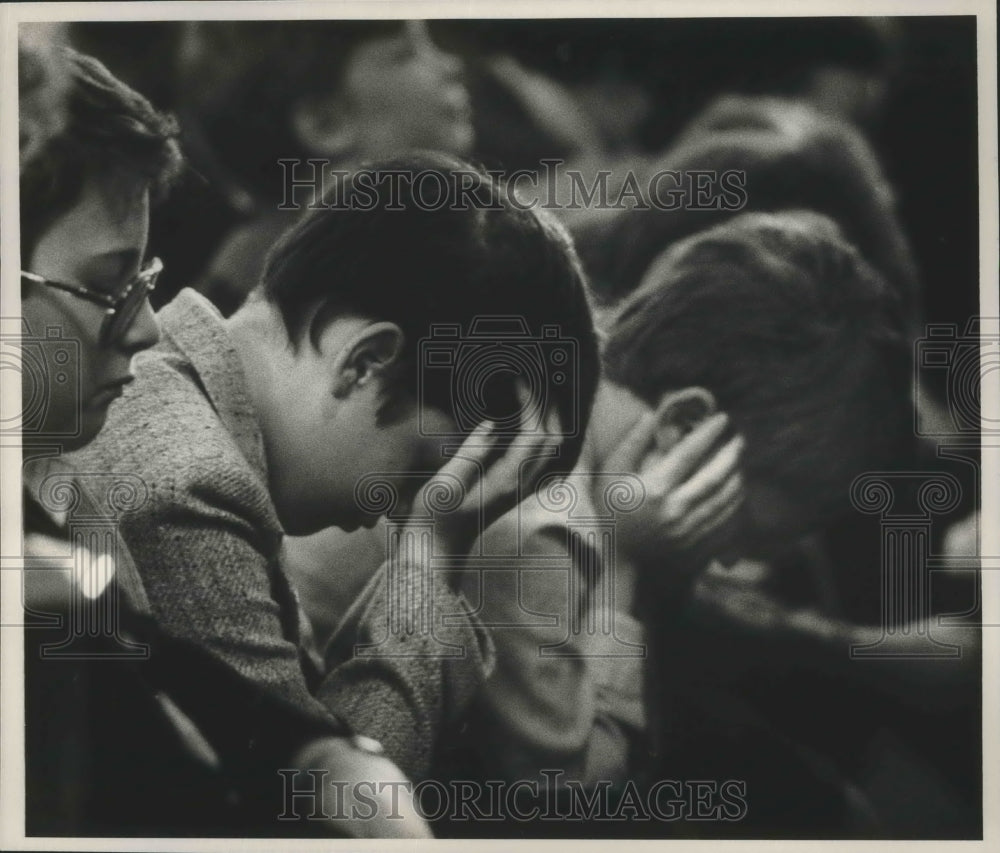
(692, 491)
(491, 484)
(388, 811)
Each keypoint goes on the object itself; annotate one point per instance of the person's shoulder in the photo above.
(166, 430)
(163, 408)
(164, 381)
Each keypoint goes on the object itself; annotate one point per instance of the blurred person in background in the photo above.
(621, 94)
(617, 96)
(789, 155)
(792, 157)
(638, 81)
(342, 91)
(127, 731)
(42, 85)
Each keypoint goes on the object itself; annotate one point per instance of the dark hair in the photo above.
(821, 165)
(241, 80)
(798, 338)
(110, 132)
(383, 253)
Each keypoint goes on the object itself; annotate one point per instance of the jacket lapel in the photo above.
(196, 329)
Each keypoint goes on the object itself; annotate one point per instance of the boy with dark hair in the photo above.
(277, 419)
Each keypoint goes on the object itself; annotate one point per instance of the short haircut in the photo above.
(242, 79)
(478, 255)
(798, 338)
(109, 132)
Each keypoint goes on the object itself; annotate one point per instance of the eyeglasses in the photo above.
(121, 309)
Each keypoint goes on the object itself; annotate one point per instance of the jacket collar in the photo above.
(196, 328)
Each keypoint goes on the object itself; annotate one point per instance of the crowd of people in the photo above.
(440, 519)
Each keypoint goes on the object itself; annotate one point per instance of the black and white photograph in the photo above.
(531, 422)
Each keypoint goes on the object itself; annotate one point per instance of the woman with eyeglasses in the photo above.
(91, 153)
(85, 200)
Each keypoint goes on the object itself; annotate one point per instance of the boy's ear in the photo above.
(323, 125)
(679, 412)
(368, 355)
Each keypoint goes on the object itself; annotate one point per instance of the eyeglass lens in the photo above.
(130, 306)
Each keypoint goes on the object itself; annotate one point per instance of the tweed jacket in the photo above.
(207, 545)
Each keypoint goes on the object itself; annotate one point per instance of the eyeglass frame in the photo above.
(146, 278)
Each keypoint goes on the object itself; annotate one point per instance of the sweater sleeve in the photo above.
(210, 570)
(405, 663)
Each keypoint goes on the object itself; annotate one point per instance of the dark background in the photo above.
(926, 134)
